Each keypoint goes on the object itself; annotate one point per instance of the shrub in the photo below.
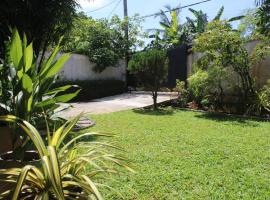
(207, 86)
(151, 68)
(261, 101)
(183, 93)
(197, 84)
(224, 47)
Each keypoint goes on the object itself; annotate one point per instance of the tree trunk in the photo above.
(155, 106)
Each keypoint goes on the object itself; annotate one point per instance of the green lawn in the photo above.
(189, 155)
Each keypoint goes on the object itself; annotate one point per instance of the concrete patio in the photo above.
(116, 103)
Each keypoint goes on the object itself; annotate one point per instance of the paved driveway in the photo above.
(116, 103)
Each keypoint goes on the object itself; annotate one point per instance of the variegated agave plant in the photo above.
(62, 172)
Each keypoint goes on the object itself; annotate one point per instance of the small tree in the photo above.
(102, 40)
(224, 47)
(151, 69)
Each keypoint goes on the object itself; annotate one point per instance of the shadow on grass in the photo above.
(219, 117)
(150, 111)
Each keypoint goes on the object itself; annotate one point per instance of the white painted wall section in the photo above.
(78, 67)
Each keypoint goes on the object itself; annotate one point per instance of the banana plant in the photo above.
(63, 172)
(198, 25)
(26, 87)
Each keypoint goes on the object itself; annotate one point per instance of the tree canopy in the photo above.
(263, 17)
(43, 21)
(103, 41)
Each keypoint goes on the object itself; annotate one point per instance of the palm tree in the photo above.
(172, 31)
(198, 25)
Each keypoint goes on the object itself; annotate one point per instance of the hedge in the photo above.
(95, 89)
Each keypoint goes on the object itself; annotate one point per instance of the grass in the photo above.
(189, 155)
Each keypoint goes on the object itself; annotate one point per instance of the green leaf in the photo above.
(24, 41)
(29, 103)
(20, 74)
(56, 169)
(20, 182)
(46, 102)
(233, 19)
(59, 89)
(67, 97)
(16, 48)
(58, 99)
(28, 57)
(27, 83)
(54, 69)
(62, 132)
(29, 130)
(51, 59)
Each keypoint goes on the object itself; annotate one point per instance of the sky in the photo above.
(144, 7)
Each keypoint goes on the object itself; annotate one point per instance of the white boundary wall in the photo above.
(261, 71)
(78, 67)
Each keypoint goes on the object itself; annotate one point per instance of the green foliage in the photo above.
(263, 18)
(183, 93)
(261, 51)
(61, 171)
(26, 88)
(171, 33)
(151, 68)
(248, 24)
(197, 84)
(261, 102)
(43, 21)
(190, 155)
(207, 86)
(172, 30)
(199, 24)
(224, 47)
(103, 41)
(264, 97)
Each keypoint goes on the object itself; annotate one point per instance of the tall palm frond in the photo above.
(219, 14)
(236, 18)
(259, 2)
(199, 23)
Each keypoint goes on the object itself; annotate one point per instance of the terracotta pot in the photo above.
(5, 140)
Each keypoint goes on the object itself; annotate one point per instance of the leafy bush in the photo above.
(61, 171)
(224, 47)
(261, 101)
(151, 68)
(103, 41)
(207, 86)
(197, 84)
(183, 93)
